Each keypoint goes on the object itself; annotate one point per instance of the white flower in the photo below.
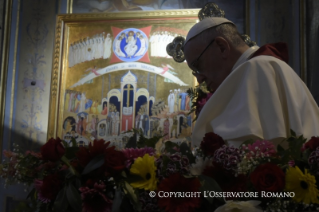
(240, 206)
(198, 167)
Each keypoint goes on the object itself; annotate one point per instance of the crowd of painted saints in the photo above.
(160, 39)
(94, 120)
(97, 46)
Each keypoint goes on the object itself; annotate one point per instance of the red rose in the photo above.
(178, 183)
(312, 144)
(86, 154)
(211, 142)
(268, 177)
(114, 160)
(53, 150)
(49, 188)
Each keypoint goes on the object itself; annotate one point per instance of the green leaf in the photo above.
(292, 133)
(295, 145)
(74, 143)
(132, 141)
(118, 198)
(306, 154)
(32, 194)
(67, 162)
(61, 201)
(65, 144)
(70, 152)
(95, 163)
(209, 184)
(74, 198)
(132, 195)
(281, 151)
(185, 150)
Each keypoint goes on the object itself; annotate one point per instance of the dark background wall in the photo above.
(312, 47)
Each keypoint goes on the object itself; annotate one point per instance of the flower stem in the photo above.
(67, 162)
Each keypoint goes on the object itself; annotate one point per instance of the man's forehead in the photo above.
(193, 44)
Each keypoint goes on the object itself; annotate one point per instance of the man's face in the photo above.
(211, 65)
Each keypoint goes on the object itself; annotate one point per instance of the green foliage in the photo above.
(95, 163)
(142, 141)
(128, 189)
(132, 141)
(61, 202)
(185, 150)
(73, 197)
(209, 184)
(196, 93)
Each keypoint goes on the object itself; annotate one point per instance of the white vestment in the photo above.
(171, 101)
(262, 98)
(131, 46)
(107, 47)
(118, 48)
(142, 49)
(75, 54)
(82, 103)
(84, 48)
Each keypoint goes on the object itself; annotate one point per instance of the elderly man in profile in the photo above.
(256, 94)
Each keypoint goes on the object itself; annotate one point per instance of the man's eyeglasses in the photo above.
(194, 64)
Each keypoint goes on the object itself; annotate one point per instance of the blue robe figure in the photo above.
(146, 124)
(189, 121)
(88, 104)
(183, 95)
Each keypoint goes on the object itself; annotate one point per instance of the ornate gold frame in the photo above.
(62, 24)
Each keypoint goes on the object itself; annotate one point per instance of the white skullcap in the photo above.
(204, 24)
(170, 91)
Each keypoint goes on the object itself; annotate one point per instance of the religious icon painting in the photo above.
(111, 73)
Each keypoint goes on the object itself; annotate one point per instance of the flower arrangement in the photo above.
(199, 96)
(257, 176)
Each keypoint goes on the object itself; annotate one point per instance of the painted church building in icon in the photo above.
(129, 106)
(128, 89)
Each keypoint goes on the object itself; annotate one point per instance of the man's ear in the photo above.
(223, 46)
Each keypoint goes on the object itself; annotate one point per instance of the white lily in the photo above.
(240, 206)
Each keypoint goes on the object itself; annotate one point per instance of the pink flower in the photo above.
(94, 199)
(131, 154)
(34, 154)
(9, 154)
(48, 188)
(264, 147)
(201, 101)
(291, 163)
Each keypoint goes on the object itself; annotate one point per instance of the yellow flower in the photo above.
(303, 185)
(145, 167)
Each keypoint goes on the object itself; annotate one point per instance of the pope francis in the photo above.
(256, 94)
